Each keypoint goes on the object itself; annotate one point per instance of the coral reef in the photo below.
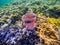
(47, 31)
(47, 25)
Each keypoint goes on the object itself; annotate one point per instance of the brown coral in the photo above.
(47, 31)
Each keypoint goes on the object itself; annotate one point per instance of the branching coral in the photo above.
(47, 31)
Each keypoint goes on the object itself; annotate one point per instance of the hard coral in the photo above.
(47, 31)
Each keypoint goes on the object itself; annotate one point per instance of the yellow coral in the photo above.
(47, 31)
(54, 21)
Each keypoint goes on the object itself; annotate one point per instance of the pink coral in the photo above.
(29, 20)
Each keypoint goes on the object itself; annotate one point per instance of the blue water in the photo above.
(3, 2)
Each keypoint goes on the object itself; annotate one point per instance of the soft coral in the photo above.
(29, 20)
